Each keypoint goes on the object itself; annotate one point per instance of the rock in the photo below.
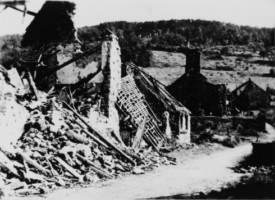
(90, 177)
(137, 170)
(60, 182)
(44, 189)
(54, 128)
(119, 167)
(84, 149)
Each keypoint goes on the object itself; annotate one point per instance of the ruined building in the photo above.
(194, 90)
(64, 107)
(166, 108)
(90, 75)
(143, 97)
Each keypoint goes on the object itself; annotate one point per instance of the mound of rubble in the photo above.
(59, 148)
(69, 116)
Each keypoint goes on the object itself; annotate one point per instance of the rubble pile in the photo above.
(73, 127)
(58, 149)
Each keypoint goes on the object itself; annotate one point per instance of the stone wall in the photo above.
(72, 73)
(13, 116)
(111, 71)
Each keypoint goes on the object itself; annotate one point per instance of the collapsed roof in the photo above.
(147, 84)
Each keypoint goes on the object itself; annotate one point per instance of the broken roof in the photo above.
(158, 90)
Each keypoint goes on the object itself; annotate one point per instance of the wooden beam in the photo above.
(139, 134)
(93, 167)
(27, 11)
(32, 162)
(68, 167)
(109, 143)
(53, 70)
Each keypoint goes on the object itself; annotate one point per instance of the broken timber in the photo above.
(109, 143)
(139, 134)
(7, 164)
(94, 168)
(32, 162)
(87, 52)
(132, 102)
(91, 135)
(68, 167)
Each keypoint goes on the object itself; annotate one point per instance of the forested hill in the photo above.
(178, 32)
(136, 38)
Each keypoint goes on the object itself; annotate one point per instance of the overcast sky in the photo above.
(260, 13)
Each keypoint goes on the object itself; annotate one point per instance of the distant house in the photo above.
(194, 90)
(249, 96)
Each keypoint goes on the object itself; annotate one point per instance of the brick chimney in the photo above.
(192, 61)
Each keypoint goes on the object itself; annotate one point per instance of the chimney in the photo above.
(192, 61)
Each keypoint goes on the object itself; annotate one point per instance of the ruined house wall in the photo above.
(111, 69)
(72, 73)
(13, 116)
(104, 119)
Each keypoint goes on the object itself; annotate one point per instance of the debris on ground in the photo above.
(58, 149)
(71, 133)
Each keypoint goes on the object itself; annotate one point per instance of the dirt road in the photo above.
(198, 174)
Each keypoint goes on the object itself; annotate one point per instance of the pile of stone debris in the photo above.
(68, 115)
(59, 147)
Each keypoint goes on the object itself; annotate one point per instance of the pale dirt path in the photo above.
(201, 174)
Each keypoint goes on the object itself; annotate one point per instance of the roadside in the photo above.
(258, 180)
(200, 171)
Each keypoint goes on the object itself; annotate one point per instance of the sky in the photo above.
(256, 13)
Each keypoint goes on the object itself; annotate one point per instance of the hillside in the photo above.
(136, 38)
(229, 70)
(177, 32)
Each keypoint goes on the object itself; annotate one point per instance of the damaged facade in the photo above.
(170, 113)
(13, 116)
(58, 62)
(70, 101)
(94, 72)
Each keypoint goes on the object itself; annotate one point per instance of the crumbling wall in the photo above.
(13, 116)
(72, 73)
(111, 81)
(115, 83)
